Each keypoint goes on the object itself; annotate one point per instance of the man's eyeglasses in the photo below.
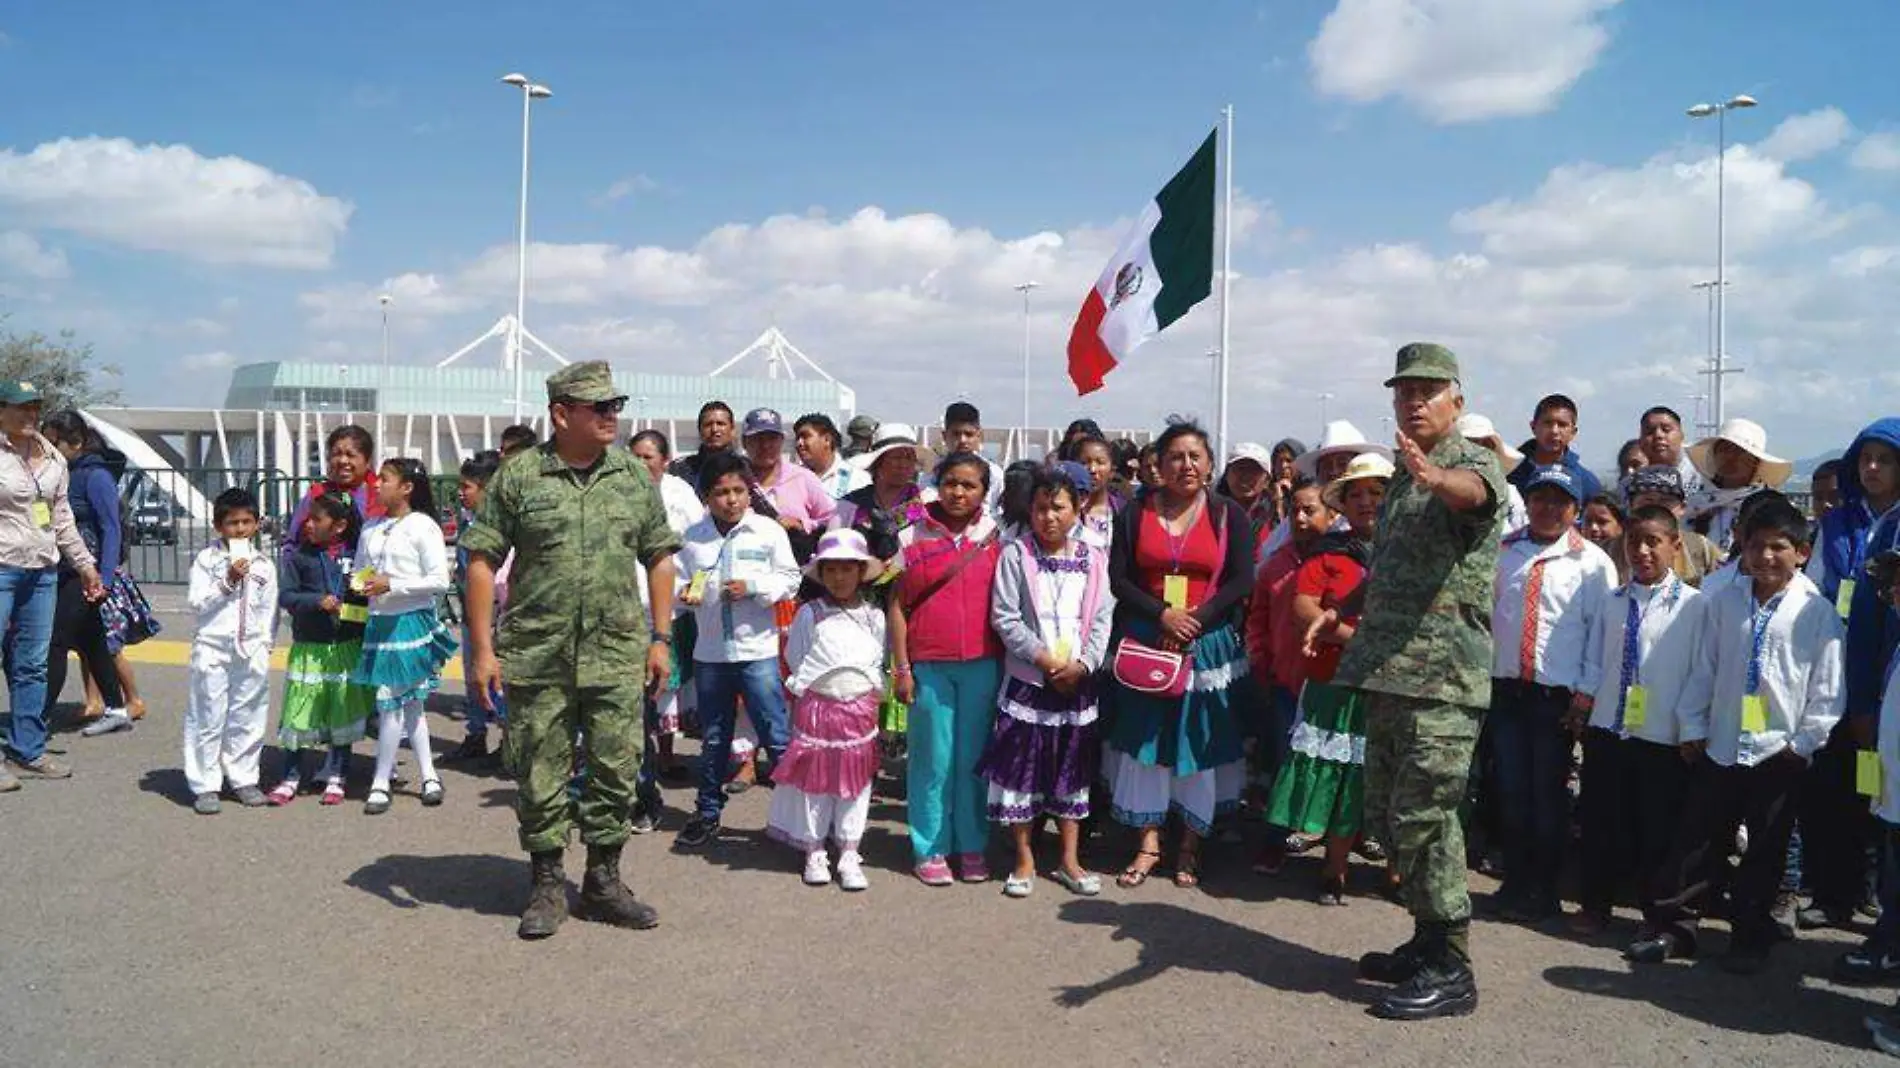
(606, 409)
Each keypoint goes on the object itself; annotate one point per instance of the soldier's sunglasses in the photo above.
(606, 409)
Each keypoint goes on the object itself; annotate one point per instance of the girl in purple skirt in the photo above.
(1052, 608)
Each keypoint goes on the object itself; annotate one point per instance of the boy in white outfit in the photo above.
(233, 592)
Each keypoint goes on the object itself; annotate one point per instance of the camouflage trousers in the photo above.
(1418, 760)
(543, 720)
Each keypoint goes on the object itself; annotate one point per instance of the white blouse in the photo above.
(836, 652)
(410, 553)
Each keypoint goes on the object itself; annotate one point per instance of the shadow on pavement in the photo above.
(1776, 1002)
(1173, 937)
(483, 884)
(168, 783)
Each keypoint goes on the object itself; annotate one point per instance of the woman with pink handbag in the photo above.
(1180, 566)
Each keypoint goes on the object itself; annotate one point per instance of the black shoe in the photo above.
(1745, 960)
(1653, 947)
(547, 899)
(697, 832)
(1816, 917)
(1867, 966)
(646, 817)
(1398, 966)
(474, 747)
(1783, 915)
(1443, 989)
(606, 899)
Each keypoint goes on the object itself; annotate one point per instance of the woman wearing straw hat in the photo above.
(1737, 465)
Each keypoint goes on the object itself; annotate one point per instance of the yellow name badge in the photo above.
(1063, 650)
(1635, 707)
(1867, 773)
(1174, 591)
(42, 515)
(361, 579)
(1754, 714)
(353, 613)
(1844, 599)
(696, 589)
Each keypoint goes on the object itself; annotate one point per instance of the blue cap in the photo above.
(763, 421)
(1076, 473)
(1555, 475)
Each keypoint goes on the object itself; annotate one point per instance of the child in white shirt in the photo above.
(1766, 692)
(821, 788)
(1552, 590)
(1875, 961)
(734, 567)
(1633, 775)
(233, 591)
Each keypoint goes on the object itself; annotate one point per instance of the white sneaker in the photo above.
(818, 868)
(851, 873)
(114, 719)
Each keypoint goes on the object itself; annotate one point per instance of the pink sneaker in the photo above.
(932, 871)
(974, 868)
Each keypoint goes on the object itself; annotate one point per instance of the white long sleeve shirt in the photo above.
(410, 553)
(835, 651)
(683, 509)
(1577, 581)
(243, 616)
(1799, 675)
(1669, 636)
(757, 552)
(1886, 803)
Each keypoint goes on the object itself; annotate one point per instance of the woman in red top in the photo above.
(1322, 790)
(348, 451)
(1180, 565)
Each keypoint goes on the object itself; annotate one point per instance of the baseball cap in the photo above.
(1554, 475)
(1253, 452)
(20, 393)
(763, 421)
(1656, 478)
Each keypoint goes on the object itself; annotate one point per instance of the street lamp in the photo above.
(530, 92)
(1025, 288)
(1323, 398)
(1720, 112)
(382, 386)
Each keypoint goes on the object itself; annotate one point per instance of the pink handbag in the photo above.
(1156, 672)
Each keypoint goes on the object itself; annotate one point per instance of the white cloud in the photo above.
(1877, 152)
(207, 361)
(414, 299)
(1458, 60)
(1805, 136)
(168, 198)
(21, 255)
(1865, 260)
(632, 185)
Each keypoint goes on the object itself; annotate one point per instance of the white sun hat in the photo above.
(1364, 465)
(1475, 427)
(1339, 437)
(844, 544)
(1748, 436)
(893, 436)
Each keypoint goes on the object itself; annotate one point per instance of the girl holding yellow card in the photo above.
(323, 709)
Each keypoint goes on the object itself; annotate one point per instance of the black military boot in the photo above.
(547, 899)
(605, 899)
(1395, 967)
(1443, 985)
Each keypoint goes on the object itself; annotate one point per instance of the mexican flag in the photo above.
(1164, 267)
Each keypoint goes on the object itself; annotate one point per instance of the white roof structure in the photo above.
(783, 359)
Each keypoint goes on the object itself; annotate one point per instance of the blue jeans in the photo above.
(27, 599)
(476, 715)
(1886, 934)
(720, 686)
(1533, 768)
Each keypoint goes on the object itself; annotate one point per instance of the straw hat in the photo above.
(1340, 436)
(892, 436)
(844, 544)
(1475, 427)
(1748, 436)
(1363, 466)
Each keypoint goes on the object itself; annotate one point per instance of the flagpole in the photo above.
(1226, 277)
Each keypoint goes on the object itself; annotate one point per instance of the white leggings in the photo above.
(390, 730)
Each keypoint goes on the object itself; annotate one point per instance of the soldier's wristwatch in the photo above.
(663, 639)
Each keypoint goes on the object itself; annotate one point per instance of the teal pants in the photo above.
(949, 724)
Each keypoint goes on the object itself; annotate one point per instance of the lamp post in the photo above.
(530, 92)
(382, 385)
(1025, 288)
(1720, 112)
(1323, 398)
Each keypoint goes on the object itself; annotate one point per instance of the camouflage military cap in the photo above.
(1423, 359)
(584, 382)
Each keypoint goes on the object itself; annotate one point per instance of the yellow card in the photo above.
(1063, 650)
(361, 578)
(1635, 707)
(1754, 714)
(1844, 600)
(696, 589)
(42, 515)
(1867, 773)
(353, 613)
(1174, 591)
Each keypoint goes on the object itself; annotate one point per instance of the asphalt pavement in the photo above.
(137, 933)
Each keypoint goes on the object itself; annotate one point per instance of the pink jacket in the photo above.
(954, 623)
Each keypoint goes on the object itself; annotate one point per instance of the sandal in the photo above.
(1135, 874)
(1187, 869)
(376, 803)
(1332, 890)
(284, 794)
(332, 794)
(432, 792)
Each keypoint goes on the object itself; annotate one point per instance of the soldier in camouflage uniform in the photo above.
(581, 516)
(1422, 654)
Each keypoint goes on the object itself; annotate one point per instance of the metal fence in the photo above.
(167, 515)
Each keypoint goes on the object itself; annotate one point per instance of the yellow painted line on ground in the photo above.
(178, 654)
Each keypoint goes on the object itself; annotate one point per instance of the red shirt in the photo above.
(1329, 577)
(1273, 642)
(1195, 555)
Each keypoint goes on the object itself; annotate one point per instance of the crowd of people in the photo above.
(1442, 654)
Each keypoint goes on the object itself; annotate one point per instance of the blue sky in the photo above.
(1513, 176)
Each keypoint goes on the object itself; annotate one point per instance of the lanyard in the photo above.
(1052, 574)
(1758, 620)
(1178, 546)
(1632, 641)
(722, 567)
(39, 490)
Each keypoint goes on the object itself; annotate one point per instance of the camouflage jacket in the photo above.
(575, 614)
(1426, 631)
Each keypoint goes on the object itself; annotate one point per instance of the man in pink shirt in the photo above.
(784, 491)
